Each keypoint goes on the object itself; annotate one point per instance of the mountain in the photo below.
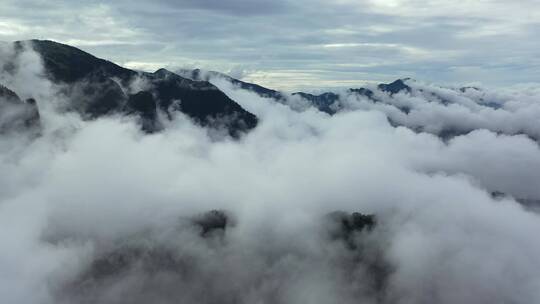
(96, 87)
(322, 102)
(163, 267)
(64, 63)
(201, 100)
(325, 102)
(395, 87)
(200, 75)
(383, 97)
(16, 114)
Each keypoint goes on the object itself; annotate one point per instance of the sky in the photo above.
(291, 45)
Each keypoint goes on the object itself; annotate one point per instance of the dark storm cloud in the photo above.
(296, 44)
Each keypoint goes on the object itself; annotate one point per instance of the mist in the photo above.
(98, 211)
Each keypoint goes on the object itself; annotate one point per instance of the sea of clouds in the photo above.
(101, 192)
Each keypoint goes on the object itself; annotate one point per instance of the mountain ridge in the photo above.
(96, 87)
(323, 101)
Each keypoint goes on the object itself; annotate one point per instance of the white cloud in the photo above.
(87, 188)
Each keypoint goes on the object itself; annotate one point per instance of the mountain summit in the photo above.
(96, 87)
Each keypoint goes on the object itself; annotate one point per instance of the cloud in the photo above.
(243, 8)
(430, 40)
(96, 211)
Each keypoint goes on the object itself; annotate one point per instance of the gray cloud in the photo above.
(235, 7)
(369, 40)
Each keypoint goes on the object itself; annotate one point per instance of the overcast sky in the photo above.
(299, 44)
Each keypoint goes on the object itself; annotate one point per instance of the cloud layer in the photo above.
(100, 192)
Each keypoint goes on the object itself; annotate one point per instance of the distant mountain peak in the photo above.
(163, 71)
(16, 114)
(68, 64)
(396, 86)
(96, 87)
